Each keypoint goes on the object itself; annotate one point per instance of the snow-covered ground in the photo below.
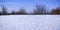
(30, 22)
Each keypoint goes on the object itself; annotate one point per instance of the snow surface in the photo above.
(30, 22)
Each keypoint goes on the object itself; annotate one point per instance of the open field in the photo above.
(30, 22)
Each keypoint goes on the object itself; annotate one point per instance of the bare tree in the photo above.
(40, 9)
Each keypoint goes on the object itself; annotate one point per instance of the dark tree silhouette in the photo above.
(56, 11)
(40, 9)
(13, 13)
(0, 13)
(22, 11)
(4, 10)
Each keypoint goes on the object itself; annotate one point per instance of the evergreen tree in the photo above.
(22, 11)
(0, 13)
(13, 13)
(4, 10)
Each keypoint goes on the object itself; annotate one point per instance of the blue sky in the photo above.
(28, 4)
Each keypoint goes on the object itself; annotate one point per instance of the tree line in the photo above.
(39, 10)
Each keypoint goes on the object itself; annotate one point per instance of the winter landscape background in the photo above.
(29, 14)
(30, 22)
